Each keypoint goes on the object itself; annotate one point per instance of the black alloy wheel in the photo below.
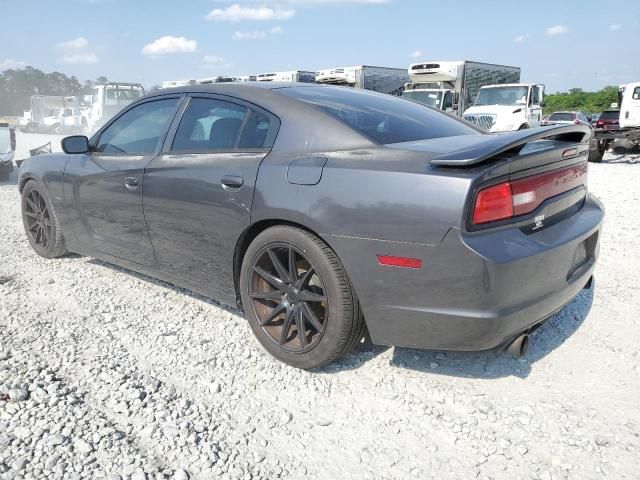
(38, 220)
(288, 297)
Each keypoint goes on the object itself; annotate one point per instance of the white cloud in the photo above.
(522, 38)
(75, 44)
(557, 30)
(237, 13)
(253, 35)
(8, 63)
(416, 54)
(213, 59)
(168, 44)
(614, 27)
(277, 29)
(77, 51)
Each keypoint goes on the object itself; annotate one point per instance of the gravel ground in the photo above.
(105, 373)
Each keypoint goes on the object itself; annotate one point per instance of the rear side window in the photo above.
(382, 118)
(256, 128)
(209, 124)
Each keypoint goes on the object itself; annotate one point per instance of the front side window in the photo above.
(138, 130)
(382, 118)
(636, 93)
(209, 124)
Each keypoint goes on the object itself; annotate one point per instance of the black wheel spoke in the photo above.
(31, 203)
(308, 296)
(304, 281)
(293, 270)
(272, 295)
(300, 327)
(274, 314)
(282, 272)
(311, 317)
(273, 281)
(30, 214)
(286, 326)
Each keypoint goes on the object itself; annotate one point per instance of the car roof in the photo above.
(567, 111)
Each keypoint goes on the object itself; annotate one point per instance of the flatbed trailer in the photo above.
(605, 137)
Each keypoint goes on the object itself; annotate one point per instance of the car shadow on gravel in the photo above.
(617, 159)
(482, 365)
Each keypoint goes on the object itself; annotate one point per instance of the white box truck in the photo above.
(379, 79)
(290, 76)
(630, 105)
(453, 85)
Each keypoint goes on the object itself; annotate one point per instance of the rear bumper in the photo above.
(474, 291)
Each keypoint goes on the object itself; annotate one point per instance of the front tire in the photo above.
(298, 299)
(41, 222)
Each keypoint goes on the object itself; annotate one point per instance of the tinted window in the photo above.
(255, 131)
(636, 93)
(562, 117)
(209, 124)
(138, 130)
(382, 118)
(610, 115)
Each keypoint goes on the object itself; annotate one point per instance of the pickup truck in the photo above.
(7, 149)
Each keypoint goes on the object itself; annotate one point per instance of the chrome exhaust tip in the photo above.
(519, 346)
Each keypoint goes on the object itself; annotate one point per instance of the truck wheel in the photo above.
(298, 299)
(524, 126)
(595, 155)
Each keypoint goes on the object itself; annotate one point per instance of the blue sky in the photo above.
(563, 44)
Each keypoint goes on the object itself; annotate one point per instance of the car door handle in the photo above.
(131, 183)
(230, 182)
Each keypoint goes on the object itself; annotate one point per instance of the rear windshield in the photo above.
(610, 115)
(383, 118)
(562, 117)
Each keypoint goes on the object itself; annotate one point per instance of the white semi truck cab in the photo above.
(630, 105)
(507, 107)
(107, 100)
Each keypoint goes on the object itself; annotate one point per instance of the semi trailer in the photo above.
(290, 76)
(379, 79)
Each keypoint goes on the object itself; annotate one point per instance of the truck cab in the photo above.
(440, 99)
(108, 99)
(507, 107)
(630, 105)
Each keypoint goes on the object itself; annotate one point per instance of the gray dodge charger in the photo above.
(325, 212)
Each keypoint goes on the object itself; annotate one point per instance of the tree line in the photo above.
(577, 99)
(18, 85)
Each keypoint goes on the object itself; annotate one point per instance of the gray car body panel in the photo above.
(476, 289)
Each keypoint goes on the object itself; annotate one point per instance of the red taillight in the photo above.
(600, 123)
(576, 121)
(493, 203)
(518, 197)
(405, 262)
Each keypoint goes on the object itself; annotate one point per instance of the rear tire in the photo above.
(41, 222)
(337, 322)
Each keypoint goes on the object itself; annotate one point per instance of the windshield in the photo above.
(562, 117)
(5, 140)
(122, 94)
(431, 99)
(382, 118)
(502, 96)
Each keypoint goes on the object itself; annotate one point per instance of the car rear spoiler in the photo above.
(511, 142)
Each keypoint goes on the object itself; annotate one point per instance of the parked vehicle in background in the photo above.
(7, 149)
(608, 120)
(566, 118)
(221, 79)
(44, 113)
(502, 108)
(107, 100)
(322, 212)
(630, 105)
(176, 83)
(290, 76)
(378, 79)
(452, 86)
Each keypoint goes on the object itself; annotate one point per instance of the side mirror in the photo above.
(75, 144)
